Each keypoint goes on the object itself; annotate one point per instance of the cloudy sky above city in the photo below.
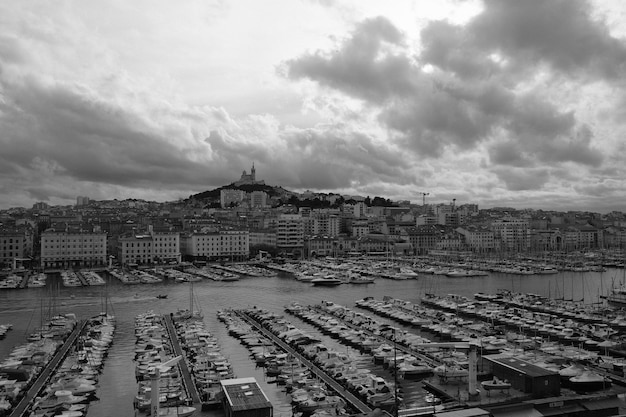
(497, 102)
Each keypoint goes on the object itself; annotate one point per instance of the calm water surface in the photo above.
(117, 386)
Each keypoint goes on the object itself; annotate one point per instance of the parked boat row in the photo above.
(12, 281)
(580, 366)
(214, 274)
(247, 270)
(373, 389)
(92, 278)
(308, 394)
(341, 323)
(153, 353)
(71, 279)
(135, 276)
(37, 280)
(26, 361)
(73, 386)
(208, 366)
(4, 328)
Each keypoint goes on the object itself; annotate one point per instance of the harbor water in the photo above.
(26, 309)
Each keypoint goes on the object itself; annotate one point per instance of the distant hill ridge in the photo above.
(214, 194)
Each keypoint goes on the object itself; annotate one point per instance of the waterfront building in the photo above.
(511, 234)
(478, 238)
(321, 246)
(290, 234)
(68, 246)
(262, 237)
(614, 237)
(14, 246)
(424, 238)
(451, 241)
(585, 236)
(148, 248)
(231, 244)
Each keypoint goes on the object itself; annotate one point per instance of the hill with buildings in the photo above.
(214, 195)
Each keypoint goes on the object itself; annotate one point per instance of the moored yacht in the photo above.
(328, 280)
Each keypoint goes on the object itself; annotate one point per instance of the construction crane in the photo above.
(424, 198)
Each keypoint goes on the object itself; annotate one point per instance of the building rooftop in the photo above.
(519, 365)
(244, 394)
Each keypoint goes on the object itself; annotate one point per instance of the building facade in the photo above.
(231, 196)
(511, 234)
(149, 248)
(73, 248)
(226, 244)
(258, 199)
(13, 246)
(290, 234)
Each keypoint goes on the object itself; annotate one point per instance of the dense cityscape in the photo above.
(247, 217)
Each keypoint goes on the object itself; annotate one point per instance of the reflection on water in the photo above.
(26, 309)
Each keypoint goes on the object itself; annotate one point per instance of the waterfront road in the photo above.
(26, 401)
(351, 399)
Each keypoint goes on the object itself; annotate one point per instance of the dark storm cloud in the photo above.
(86, 138)
(446, 46)
(520, 179)
(478, 89)
(365, 67)
(561, 33)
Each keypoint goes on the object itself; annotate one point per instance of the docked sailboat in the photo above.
(191, 313)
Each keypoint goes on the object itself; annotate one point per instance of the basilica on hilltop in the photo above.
(249, 178)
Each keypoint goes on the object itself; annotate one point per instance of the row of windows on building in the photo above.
(71, 240)
(143, 244)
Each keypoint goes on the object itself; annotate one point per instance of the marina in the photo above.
(274, 293)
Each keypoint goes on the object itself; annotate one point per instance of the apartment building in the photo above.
(262, 237)
(231, 244)
(477, 239)
(258, 199)
(511, 234)
(73, 247)
(290, 234)
(231, 196)
(150, 247)
(13, 246)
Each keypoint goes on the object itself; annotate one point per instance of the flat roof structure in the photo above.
(244, 394)
(519, 365)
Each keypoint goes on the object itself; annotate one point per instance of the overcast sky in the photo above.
(499, 102)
